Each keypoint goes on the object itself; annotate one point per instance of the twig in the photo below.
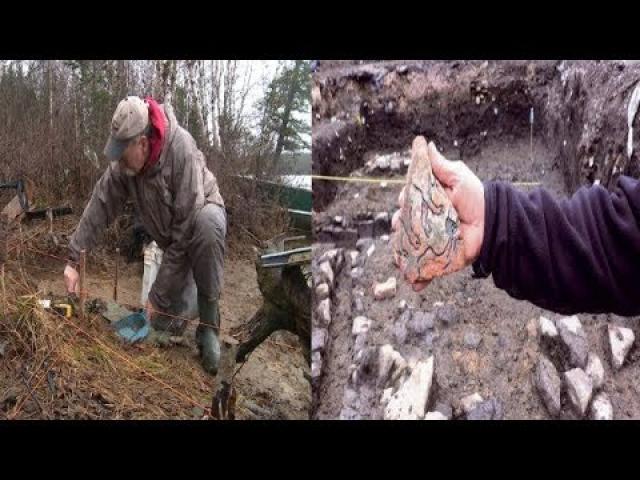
(83, 291)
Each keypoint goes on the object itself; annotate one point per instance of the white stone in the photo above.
(548, 384)
(322, 291)
(353, 256)
(595, 370)
(371, 249)
(386, 395)
(391, 365)
(384, 238)
(402, 305)
(572, 324)
(383, 162)
(324, 312)
(360, 325)
(383, 184)
(410, 401)
(579, 388)
(319, 339)
(385, 290)
(620, 340)
(330, 255)
(470, 402)
(574, 339)
(316, 365)
(326, 273)
(435, 416)
(601, 408)
(547, 327)
(395, 163)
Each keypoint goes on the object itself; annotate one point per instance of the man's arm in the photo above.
(189, 198)
(573, 255)
(107, 199)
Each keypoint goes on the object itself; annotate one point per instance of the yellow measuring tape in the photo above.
(357, 179)
(393, 180)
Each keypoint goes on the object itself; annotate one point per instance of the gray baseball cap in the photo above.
(129, 121)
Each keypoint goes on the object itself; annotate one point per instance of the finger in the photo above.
(395, 220)
(444, 170)
(401, 197)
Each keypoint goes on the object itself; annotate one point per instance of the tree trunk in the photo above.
(293, 86)
(51, 109)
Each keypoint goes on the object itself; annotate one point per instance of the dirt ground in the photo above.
(89, 373)
(501, 363)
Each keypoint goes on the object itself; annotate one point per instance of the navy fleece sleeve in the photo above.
(571, 255)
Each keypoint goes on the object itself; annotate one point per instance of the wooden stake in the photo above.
(115, 285)
(4, 235)
(20, 254)
(83, 284)
(4, 293)
(50, 218)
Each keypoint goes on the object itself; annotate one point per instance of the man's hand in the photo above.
(71, 278)
(149, 310)
(466, 192)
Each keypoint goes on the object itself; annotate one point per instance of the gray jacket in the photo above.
(167, 199)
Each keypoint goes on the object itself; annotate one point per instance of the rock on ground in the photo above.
(491, 409)
(579, 388)
(601, 408)
(470, 402)
(410, 401)
(447, 314)
(324, 312)
(326, 273)
(547, 328)
(391, 365)
(435, 416)
(548, 385)
(385, 290)
(595, 371)
(319, 339)
(316, 365)
(574, 340)
(620, 342)
(360, 325)
(322, 291)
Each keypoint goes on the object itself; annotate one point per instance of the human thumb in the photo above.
(443, 169)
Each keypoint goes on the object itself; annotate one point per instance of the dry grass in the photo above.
(68, 368)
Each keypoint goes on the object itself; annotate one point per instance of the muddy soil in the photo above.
(502, 363)
(270, 385)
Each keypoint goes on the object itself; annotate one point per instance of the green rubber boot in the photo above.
(207, 334)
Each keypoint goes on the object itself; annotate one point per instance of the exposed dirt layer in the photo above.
(580, 109)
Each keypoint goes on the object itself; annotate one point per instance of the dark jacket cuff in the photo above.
(483, 265)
